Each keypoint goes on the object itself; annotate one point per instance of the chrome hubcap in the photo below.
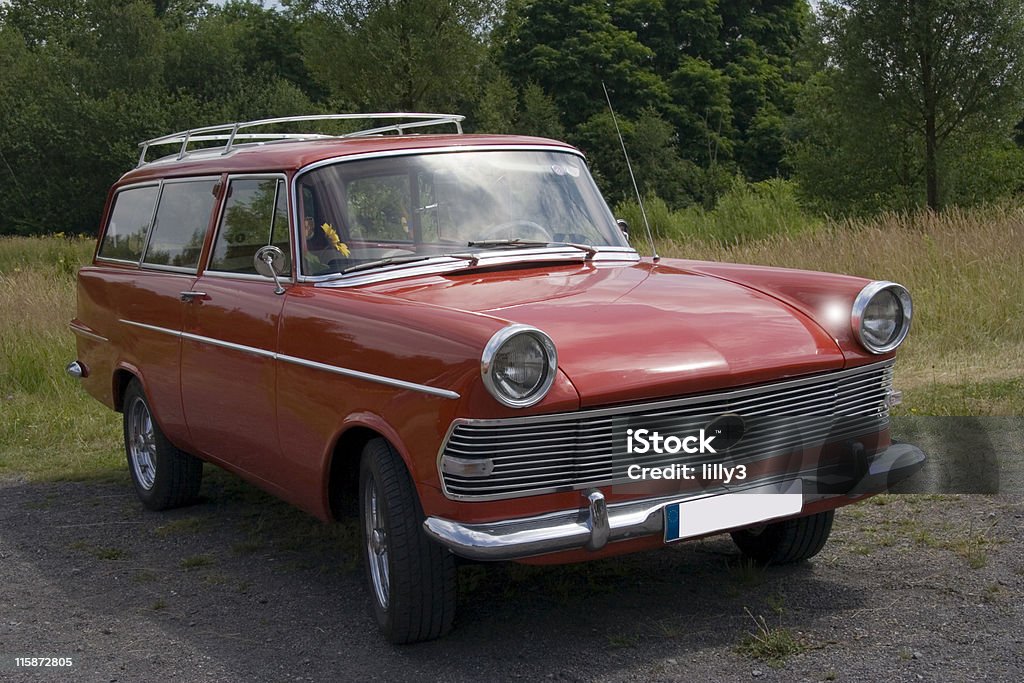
(376, 542)
(142, 443)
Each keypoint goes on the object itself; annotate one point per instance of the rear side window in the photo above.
(128, 228)
(181, 222)
(255, 215)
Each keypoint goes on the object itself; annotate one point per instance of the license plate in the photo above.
(691, 518)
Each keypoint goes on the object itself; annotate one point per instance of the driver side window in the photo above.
(255, 215)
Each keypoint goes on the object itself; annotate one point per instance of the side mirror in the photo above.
(624, 227)
(268, 261)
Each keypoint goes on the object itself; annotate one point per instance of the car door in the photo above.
(160, 227)
(229, 338)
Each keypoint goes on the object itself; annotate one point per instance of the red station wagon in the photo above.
(455, 331)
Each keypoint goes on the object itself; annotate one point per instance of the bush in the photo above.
(747, 211)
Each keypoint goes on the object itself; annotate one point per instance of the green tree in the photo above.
(722, 73)
(83, 81)
(539, 114)
(658, 168)
(702, 111)
(850, 164)
(759, 42)
(72, 100)
(498, 107)
(926, 73)
(411, 55)
(569, 47)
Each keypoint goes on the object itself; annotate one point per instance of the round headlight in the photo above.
(518, 365)
(881, 316)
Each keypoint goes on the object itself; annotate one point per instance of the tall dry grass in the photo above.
(964, 268)
(49, 427)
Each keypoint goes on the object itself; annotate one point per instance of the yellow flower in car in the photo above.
(335, 241)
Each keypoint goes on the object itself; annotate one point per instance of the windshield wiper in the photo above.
(398, 260)
(590, 250)
(380, 263)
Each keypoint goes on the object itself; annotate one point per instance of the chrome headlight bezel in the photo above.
(860, 306)
(494, 346)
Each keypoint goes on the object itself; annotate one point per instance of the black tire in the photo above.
(412, 579)
(792, 540)
(164, 477)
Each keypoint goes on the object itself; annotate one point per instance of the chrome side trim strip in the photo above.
(389, 381)
(107, 259)
(86, 332)
(151, 328)
(239, 276)
(169, 269)
(263, 353)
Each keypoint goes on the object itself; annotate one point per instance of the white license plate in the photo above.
(729, 511)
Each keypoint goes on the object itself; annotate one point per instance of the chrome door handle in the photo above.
(189, 297)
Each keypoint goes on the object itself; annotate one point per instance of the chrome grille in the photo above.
(567, 451)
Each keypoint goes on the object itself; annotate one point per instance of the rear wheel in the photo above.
(412, 579)
(791, 540)
(164, 476)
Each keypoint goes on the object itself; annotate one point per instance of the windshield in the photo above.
(405, 209)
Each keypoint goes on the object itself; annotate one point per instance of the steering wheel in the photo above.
(518, 229)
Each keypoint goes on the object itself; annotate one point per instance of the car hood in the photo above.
(639, 331)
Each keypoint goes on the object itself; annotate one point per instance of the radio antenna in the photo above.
(639, 200)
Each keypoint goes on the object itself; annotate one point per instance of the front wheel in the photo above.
(788, 541)
(164, 476)
(412, 579)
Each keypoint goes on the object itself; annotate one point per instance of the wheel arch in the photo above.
(122, 377)
(341, 471)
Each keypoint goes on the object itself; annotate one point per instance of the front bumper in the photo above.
(596, 524)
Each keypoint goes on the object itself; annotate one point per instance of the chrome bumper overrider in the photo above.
(596, 523)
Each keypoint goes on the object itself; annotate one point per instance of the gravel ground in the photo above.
(242, 588)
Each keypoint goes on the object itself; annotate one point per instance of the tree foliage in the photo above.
(720, 73)
(902, 87)
(402, 55)
(83, 81)
(868, 104)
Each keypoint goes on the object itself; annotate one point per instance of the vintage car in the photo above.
(454, 331)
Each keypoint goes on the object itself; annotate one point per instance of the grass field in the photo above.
(49, 427)
(965, 270)
(964, 355)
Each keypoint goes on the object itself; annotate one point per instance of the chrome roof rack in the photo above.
(229, 132)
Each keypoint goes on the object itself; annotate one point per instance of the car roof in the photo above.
(288, 156)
